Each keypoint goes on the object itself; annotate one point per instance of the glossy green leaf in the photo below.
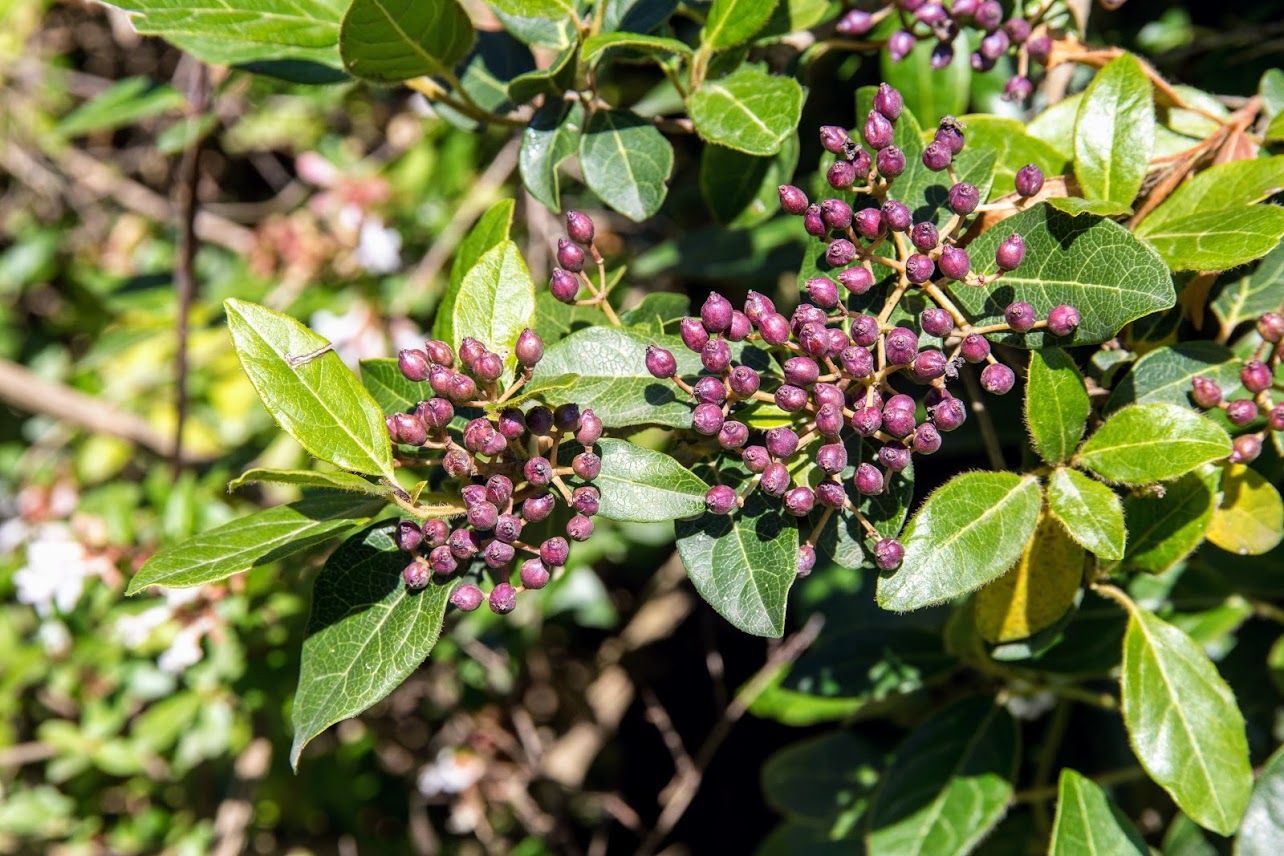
(1233, 185)
(1055, 125)
(741, 189)
(1146, 443)
(1249, 518)
(1183, 722)
(309, 478)
(1090, 512)
(949, 783)
(748, 110)
(394, 40)
(821, 778)
(393, 392)
(1164, 375)
(643, 485)
(1093, 264)
(1248, 297)
(636, 16)
(743, 564)
(366, 634)
(614, 382)
(552, 81)
(496, 301)
(538, 390)
(1164, 529)
(1218, 240)
(1114, 133)
(242, 31)
(657, 309)
(731, 22)
(596, 46)
(258, 539)
(536, 8)
(552, 136)
(1262, 829)
(555, 33)
(1056, 404)
(967, 533)
(626, 162)
(1074, 206)
(930, 94)
(1088, 823)
(490, 230)
(123, 103)
(1013, 148)
(1271, 88)
(319, 401)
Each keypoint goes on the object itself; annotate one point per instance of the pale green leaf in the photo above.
(1183, 722)
(1262, 829)
(309, 478)
(731, 22)
(949, 783)
(1093, 264)
(1237, 184)
(394, 40)
(490, 230)
(123, 103)
(1146, 443)
(626, 162)
(536, 8)
(643, 485)
(1088, 823)
(1163, 529)
(496, 301)
(967, 533)
(1114, 133)
(318, 400)
(1056, 404)
(743, 564)
(595, 46)
(1220, 239)
(1248, 297)
(1249, 518)
(748, 110)
(258, 539)
(1055, 125)
(366, 634)
(1074, 206)
(1090, 512)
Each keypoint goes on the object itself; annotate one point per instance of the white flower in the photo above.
(355, 334)
(55, 572)
(186, 649)
(55, 637)
(454, 771)
(134, 630)
(379, 248)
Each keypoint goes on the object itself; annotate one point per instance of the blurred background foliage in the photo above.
(159, 723)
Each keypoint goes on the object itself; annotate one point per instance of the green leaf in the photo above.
(1074, 206)
(1056, 404)
(1183, 722)
(1164, 529)
(552, 81)
(748, 110)
(1233, 185)
(391, 390)
(123, 103)
(319, 402)
(556, 33)
(497, 60)
(644, 486)
(1013, 148)
(394, 40)
(231, 32)
(614, 382)
(741, 189)
(496, 301)
(949, 783)
(309, 478)
(626, 162)
(1090, 512)
(1114, 134)
(967, 533)
(743, 564)
(930, 94)
(1037, 593)
(1088, 823)
(1218, 240)
(258, 539)
(1275, 130)
(536, 8)
(731, 22)
(843, 539)
(1093, 264)
(636, 16)
(552, 136)
(1055, 125)
(1250, 296)
(1262, 829)
(821, 778)
(1249, 518)
(490, 230)
(596, 46)
(1164, 375)
(539, 390)
(1271, 88)
(1146, 443)
(657, 309)
(366, 634)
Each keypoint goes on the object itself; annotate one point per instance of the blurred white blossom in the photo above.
(379, 247)
(454, 771)
(56, 569)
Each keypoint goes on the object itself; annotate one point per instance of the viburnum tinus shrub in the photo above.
(981, 403)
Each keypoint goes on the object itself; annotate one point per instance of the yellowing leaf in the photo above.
(1249, 520)
(1037, 591)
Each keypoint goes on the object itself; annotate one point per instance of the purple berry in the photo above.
(512, 424)
(439, 352)
(503, 599)
(414, 364)
(839, 252)
(586, 500)
(855, 23)
(924, 236)
(733, 434)
(1271, 327)
(828, 393)
(963, 198)
(782, 441)
(758, 306)
(720, 499)
(469, 350)
(659, 362)
(806, 559)
(530, 348)
(832, 458)
(1241, 411)
(954, 262)
(740, 327)
(919, 268)
(463, 544)
(1063, 320)
(1029, 180)
(867, 420)
(457, 463)
(829, 420)
(830, 494)
(1205, 392)
(563, 285)
(579, 227)
(1017, 89)
(498, 554)
(694, 336)
(841, 174)
(774, 329)
(538, 507)
(579, 528)
(538, 472)
(988, 15)
(534, 575)
(1039, 48)
(997, 379)
(942, 55)
(1245, 449)
(473, 494)
(715, 355)
(869, 480)
(775, 479)
(857, 280)
(800, 371)
(508, 528)
(975, 348)
(710, 390)
(1275, 419)
(800, 501)
(890, 162)
(926, 439)
(929, 365)
(467, 597)
(416, 575)
(898, 422)
(435, 532)
(590, 429)
(715, 314)
(1255, 376)
(888, 554)
(901, 347)
(554, 552)
(868, 223)
(756, 458)
(744, 381)
(410, 430)
(936, 156)
(488, 367)
(586, 465)
(442, 561)
(899, 45)
(1018, 29)
(888, 102)
(896, 215)
(569, 256)
(435, 412)
(823, 291)
(857, 362)
(539, 420)
(994, 45)
(814, 339)
(834, 139)
(463, 389)
(878, 131)
(947, 414)
(1020, 317)
(707, 419)
(900, 401)
(936, 322)
(894, 456)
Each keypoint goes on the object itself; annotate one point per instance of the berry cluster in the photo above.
(1028, 38)
(505, 469)
(1258, 378)
(834, 366)
(566, 281)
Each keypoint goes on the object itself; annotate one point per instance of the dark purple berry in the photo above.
(936, 322)
(1245, 449)
(840, 252)
(457, 463)
(710, 390)
(888, 101)
(733, 434)
(1018, 89)
(533, 574)
(488, 367)
(586, 500)
(1271, 327)
(975, 348)
(782, 441)
(1029, 180)
(832, 458)
(1255, 376)
(503, 599)
(800, 371)
(715, 355)
(410, 430)
(539, 420)
(775, 479)
(894, 456)
(1020, 317)
(888, 554)
(569, 256)
(757, 307)
(919, 268)
(948, 414)
(841, 174)
(901, 347)
(439, 353)
(554, 552)
(942, 55)
(834, 139)
(715, 314)
(538, 507)
(563, 285)
(898, 422)
(800, 501)
(1063, 320)
(890, 162)
(869, 480)
(792, 200)
(587, 465)
(579, 227)
(929, 365)
(744, 381)
(416, 575)
(1205, 392)
(1018, 29)
(590, 430)
(1241, 411)
(409, 535)
(899, 45)
(924, 236)
(579, 528)
(954, 262)
(878, 131)
(659, 362)
(498, 554)
(868, 223)
(463, 544)
(707, 419)
(823, 291)
(413, 364)
(530, 348)
(538, 472)
(926, 439)
(756, 458)
(467, 597)
(867, 420)
(830, 494)
(806, 559)
(774, 329)
(720, 499)
(813, 223)
(896, 215)
(857, 362)
(997, 379)
(857, 280)
(508, 528)
(936, 156)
